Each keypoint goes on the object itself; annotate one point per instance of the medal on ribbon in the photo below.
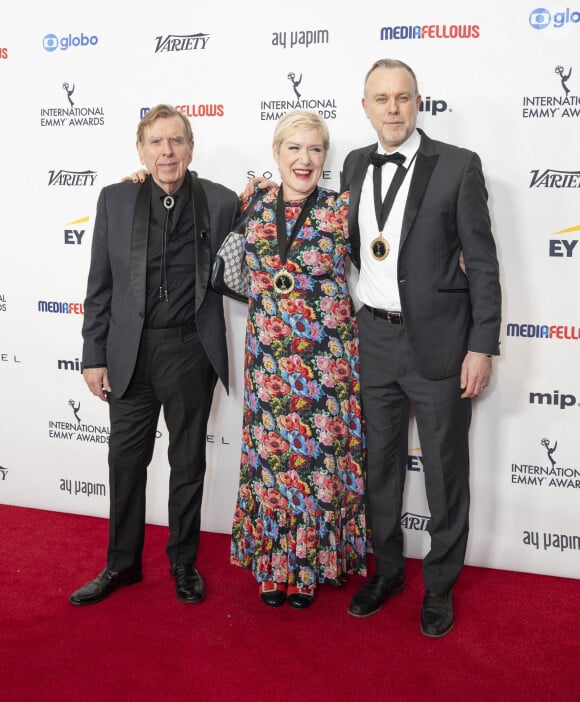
(380, 248)
(284, 281)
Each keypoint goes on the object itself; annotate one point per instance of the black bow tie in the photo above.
(380, 159)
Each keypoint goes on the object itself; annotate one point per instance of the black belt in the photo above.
(392, 317)
(171, 332)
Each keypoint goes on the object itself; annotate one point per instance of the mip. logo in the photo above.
(540, 18)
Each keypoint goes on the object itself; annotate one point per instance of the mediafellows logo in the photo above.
(52, 42)
(56, 307)
(181, 42)
(430, 31)
(563, 104)
(541, 18)
(3, 52)
(562, 332)
(196, 110)
(300, 38)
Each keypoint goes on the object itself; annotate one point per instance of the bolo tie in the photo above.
(168, 203)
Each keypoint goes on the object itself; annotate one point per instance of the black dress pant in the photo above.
(173, 372)
(391, 386)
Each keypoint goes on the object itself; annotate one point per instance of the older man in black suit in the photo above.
(427, 330)
(154, 336)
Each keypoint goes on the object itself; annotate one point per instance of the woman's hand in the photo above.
(258, 184)
(137, 176)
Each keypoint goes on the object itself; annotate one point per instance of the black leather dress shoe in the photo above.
(104, 584)
(300, 598)
(373, 594)
(189, 586)
(272, 594)
(437, 614)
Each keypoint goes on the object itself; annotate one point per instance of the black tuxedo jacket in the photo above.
(115, 301)
(446, 313)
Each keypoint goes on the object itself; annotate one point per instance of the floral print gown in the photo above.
(299, 517)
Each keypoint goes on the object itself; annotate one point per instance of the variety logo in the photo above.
(551, 178)
(73, 115)
(554, 399)
(74, 237)
(272, 110)
(3, 473)
(306, 38)
(181, 42)
(547, 475)
(553, 106)
(71, 179)
(540, 18)
(416, 522)
(543, 331)
(52, 42)
(431, 31)
(60, 307)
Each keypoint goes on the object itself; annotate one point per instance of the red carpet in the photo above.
(515, 636)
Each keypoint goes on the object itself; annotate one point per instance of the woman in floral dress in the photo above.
(299, 519)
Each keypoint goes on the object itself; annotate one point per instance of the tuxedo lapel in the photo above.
(139, 236)
(202, 240)
(355, 187)
(425, 163)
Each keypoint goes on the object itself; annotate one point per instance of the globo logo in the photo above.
(51, 42)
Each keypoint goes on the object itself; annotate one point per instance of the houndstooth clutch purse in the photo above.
(229, 274)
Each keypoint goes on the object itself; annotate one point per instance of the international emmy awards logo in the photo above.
(549, 450)
(559, 70)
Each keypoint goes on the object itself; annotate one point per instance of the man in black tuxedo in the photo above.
(154, 336)
(427, 330)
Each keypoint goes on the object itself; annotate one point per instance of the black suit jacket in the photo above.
(446, 312)
(115, 301)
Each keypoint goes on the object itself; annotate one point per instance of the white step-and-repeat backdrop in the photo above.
(500, 78)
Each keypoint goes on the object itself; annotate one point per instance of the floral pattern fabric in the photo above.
(299, 517)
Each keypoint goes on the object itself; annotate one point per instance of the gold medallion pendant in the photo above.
(284, 281)
(380, 248)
